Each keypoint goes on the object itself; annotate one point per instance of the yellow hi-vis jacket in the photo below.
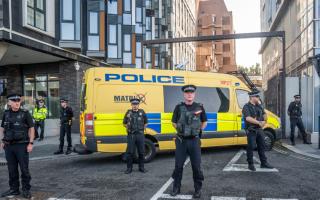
(40, 114)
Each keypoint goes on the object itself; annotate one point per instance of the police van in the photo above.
(106, 94)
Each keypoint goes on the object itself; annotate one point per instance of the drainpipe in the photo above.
(10, 19)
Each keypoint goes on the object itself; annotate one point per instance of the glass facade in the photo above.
(70, 20)
(36, 13)
(45, 86)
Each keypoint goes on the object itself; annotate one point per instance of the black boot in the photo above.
(26, 194)
(266, 166)
(143, 170)
(60, 151)
(69, 151)
(293, 143)
(175, 191)
(251, 167)
(306, 142)
(128, 171)
(197, 194)
(10, 193)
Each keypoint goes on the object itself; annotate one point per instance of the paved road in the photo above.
(99, 176)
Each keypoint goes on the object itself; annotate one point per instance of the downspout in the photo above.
(10, 19)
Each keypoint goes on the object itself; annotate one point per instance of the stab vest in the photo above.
(189, 123)
(136, 121)
(15, 127)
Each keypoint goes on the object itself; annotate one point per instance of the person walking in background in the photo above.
(40, 113)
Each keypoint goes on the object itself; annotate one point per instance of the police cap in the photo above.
(14, 97)
(63, 100)
(254, 93)
(297, 96)
(189, 88)
(135, 101)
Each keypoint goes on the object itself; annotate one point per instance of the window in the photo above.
(213, 99)
(226, 61)
(138, 49)
(127, 19)
(112, 7)
(70, 20)
(242, 97)
(226, 47)
(113, 34)
(127, 5)
(138, 15)
(113, 51)
(93, 37)
(3, 94)
(127, 42)
(42, 85)
(36, 12)
(226, 20)
(93, 20)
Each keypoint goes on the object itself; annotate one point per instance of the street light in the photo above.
(77, 66)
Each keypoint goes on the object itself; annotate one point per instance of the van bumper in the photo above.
(278, 134)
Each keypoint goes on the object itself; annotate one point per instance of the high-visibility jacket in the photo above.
(40, 113)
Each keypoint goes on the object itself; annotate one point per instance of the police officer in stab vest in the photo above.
(135, 120)
(66, 115)
(295, 113)
(17, 133)
(39, 115)
(255, 119)
(189, 118)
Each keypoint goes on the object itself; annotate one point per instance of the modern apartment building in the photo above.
(214, 19)
(300, 21)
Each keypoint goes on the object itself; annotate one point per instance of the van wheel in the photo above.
(149, 150)
(268, 140)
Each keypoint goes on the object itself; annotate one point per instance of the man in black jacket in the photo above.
(66, 115)
(295, 113)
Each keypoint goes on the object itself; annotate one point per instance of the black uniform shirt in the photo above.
(28, 118)
(254, 111)
(126, 118)
(294, 109)
(176, 112)
(66, 114)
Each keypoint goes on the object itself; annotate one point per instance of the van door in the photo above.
(242, 98)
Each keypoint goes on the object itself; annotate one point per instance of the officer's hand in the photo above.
(2, 145)
(262, 124)
(29, 148)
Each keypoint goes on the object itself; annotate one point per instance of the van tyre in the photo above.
(149, 150)
(268, 140)
(78, 148)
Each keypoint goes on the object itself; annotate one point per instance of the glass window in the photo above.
(36, 14)
(138, 63)
(139, 14)
(127, 42)
(127, 5)
(3, 95)
(127, 58)
(112, 7)
(42, 85)
(67, 9)
(242, 97)
(127, 19)
(112, 51)
(148, 23)
(93, 42)
(138, 49)
(93, 19)
(67, 31)
(213, 99)
(112, 34)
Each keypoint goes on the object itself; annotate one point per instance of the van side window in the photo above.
(213, 99)
(82, 97)
(242, 97)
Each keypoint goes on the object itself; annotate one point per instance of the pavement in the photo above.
(312, 150)
(44, 149)
(101, 177)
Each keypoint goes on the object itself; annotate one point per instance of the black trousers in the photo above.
(65, 129)
(192, 148)
(37, 125)
(16, 154)
(256, 137)
(135, 141)
(297, 122)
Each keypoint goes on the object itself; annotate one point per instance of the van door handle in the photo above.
(239, 115)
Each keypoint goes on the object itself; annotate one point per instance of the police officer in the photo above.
(135, 120)
(39, 115)
(66, 115)
(255, 119)
(189, 119)
(17, 133)
(295, 113)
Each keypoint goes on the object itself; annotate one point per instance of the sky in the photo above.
(246, 18)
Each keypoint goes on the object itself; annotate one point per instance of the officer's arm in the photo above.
(252, 120)
(289, 108)
(31, 134)
(203, 125)
(125, 120)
